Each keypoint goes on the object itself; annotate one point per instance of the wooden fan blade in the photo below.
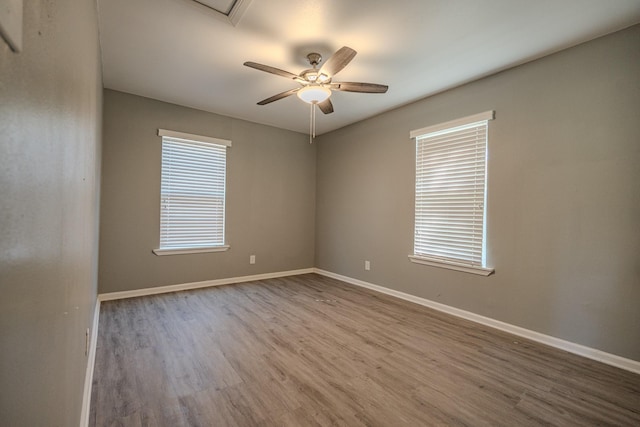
(359, 87)
(272, 70)
(326, 106)
(278, 96)
(338, 61)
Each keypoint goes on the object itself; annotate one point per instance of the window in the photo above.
(451, 161)
(192, 193)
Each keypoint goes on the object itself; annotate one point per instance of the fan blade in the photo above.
(326, 106)
(359, 87)
(271, 70)
(338, 61)
(278, 96)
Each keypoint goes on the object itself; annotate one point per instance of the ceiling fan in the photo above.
(316, 84)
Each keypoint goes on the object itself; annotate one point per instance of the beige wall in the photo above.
(563, 197)
(50, 118)
(270, 197)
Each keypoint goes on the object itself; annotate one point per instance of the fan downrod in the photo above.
(314, 59)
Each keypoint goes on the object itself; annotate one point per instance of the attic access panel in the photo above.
(230, 11)
(11, 23)
(221, 6)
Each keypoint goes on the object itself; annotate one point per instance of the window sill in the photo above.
(183, 251)
(451, 265)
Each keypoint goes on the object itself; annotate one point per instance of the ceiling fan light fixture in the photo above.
(314, 94)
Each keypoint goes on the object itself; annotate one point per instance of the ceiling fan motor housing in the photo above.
(313, 75)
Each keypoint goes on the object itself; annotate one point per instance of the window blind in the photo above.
(450, 193)
(192, 211)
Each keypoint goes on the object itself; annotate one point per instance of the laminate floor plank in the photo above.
(312, 351)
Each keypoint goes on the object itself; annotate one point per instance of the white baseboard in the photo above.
(91, 362)
(197, 285)
(581, 350)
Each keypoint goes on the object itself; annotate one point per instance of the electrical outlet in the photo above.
(252, 259)
(86, 342)
(367, 265)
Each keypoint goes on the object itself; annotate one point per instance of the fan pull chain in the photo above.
(311, 124)
(313, 113)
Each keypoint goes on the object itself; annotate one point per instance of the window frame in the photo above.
(453, 263)
(174, 136)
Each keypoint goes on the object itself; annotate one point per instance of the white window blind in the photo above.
(192, 209)
(451, 175)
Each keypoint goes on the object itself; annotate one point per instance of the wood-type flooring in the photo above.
(312, 351)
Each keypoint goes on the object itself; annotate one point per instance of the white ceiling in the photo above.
(180, 51)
